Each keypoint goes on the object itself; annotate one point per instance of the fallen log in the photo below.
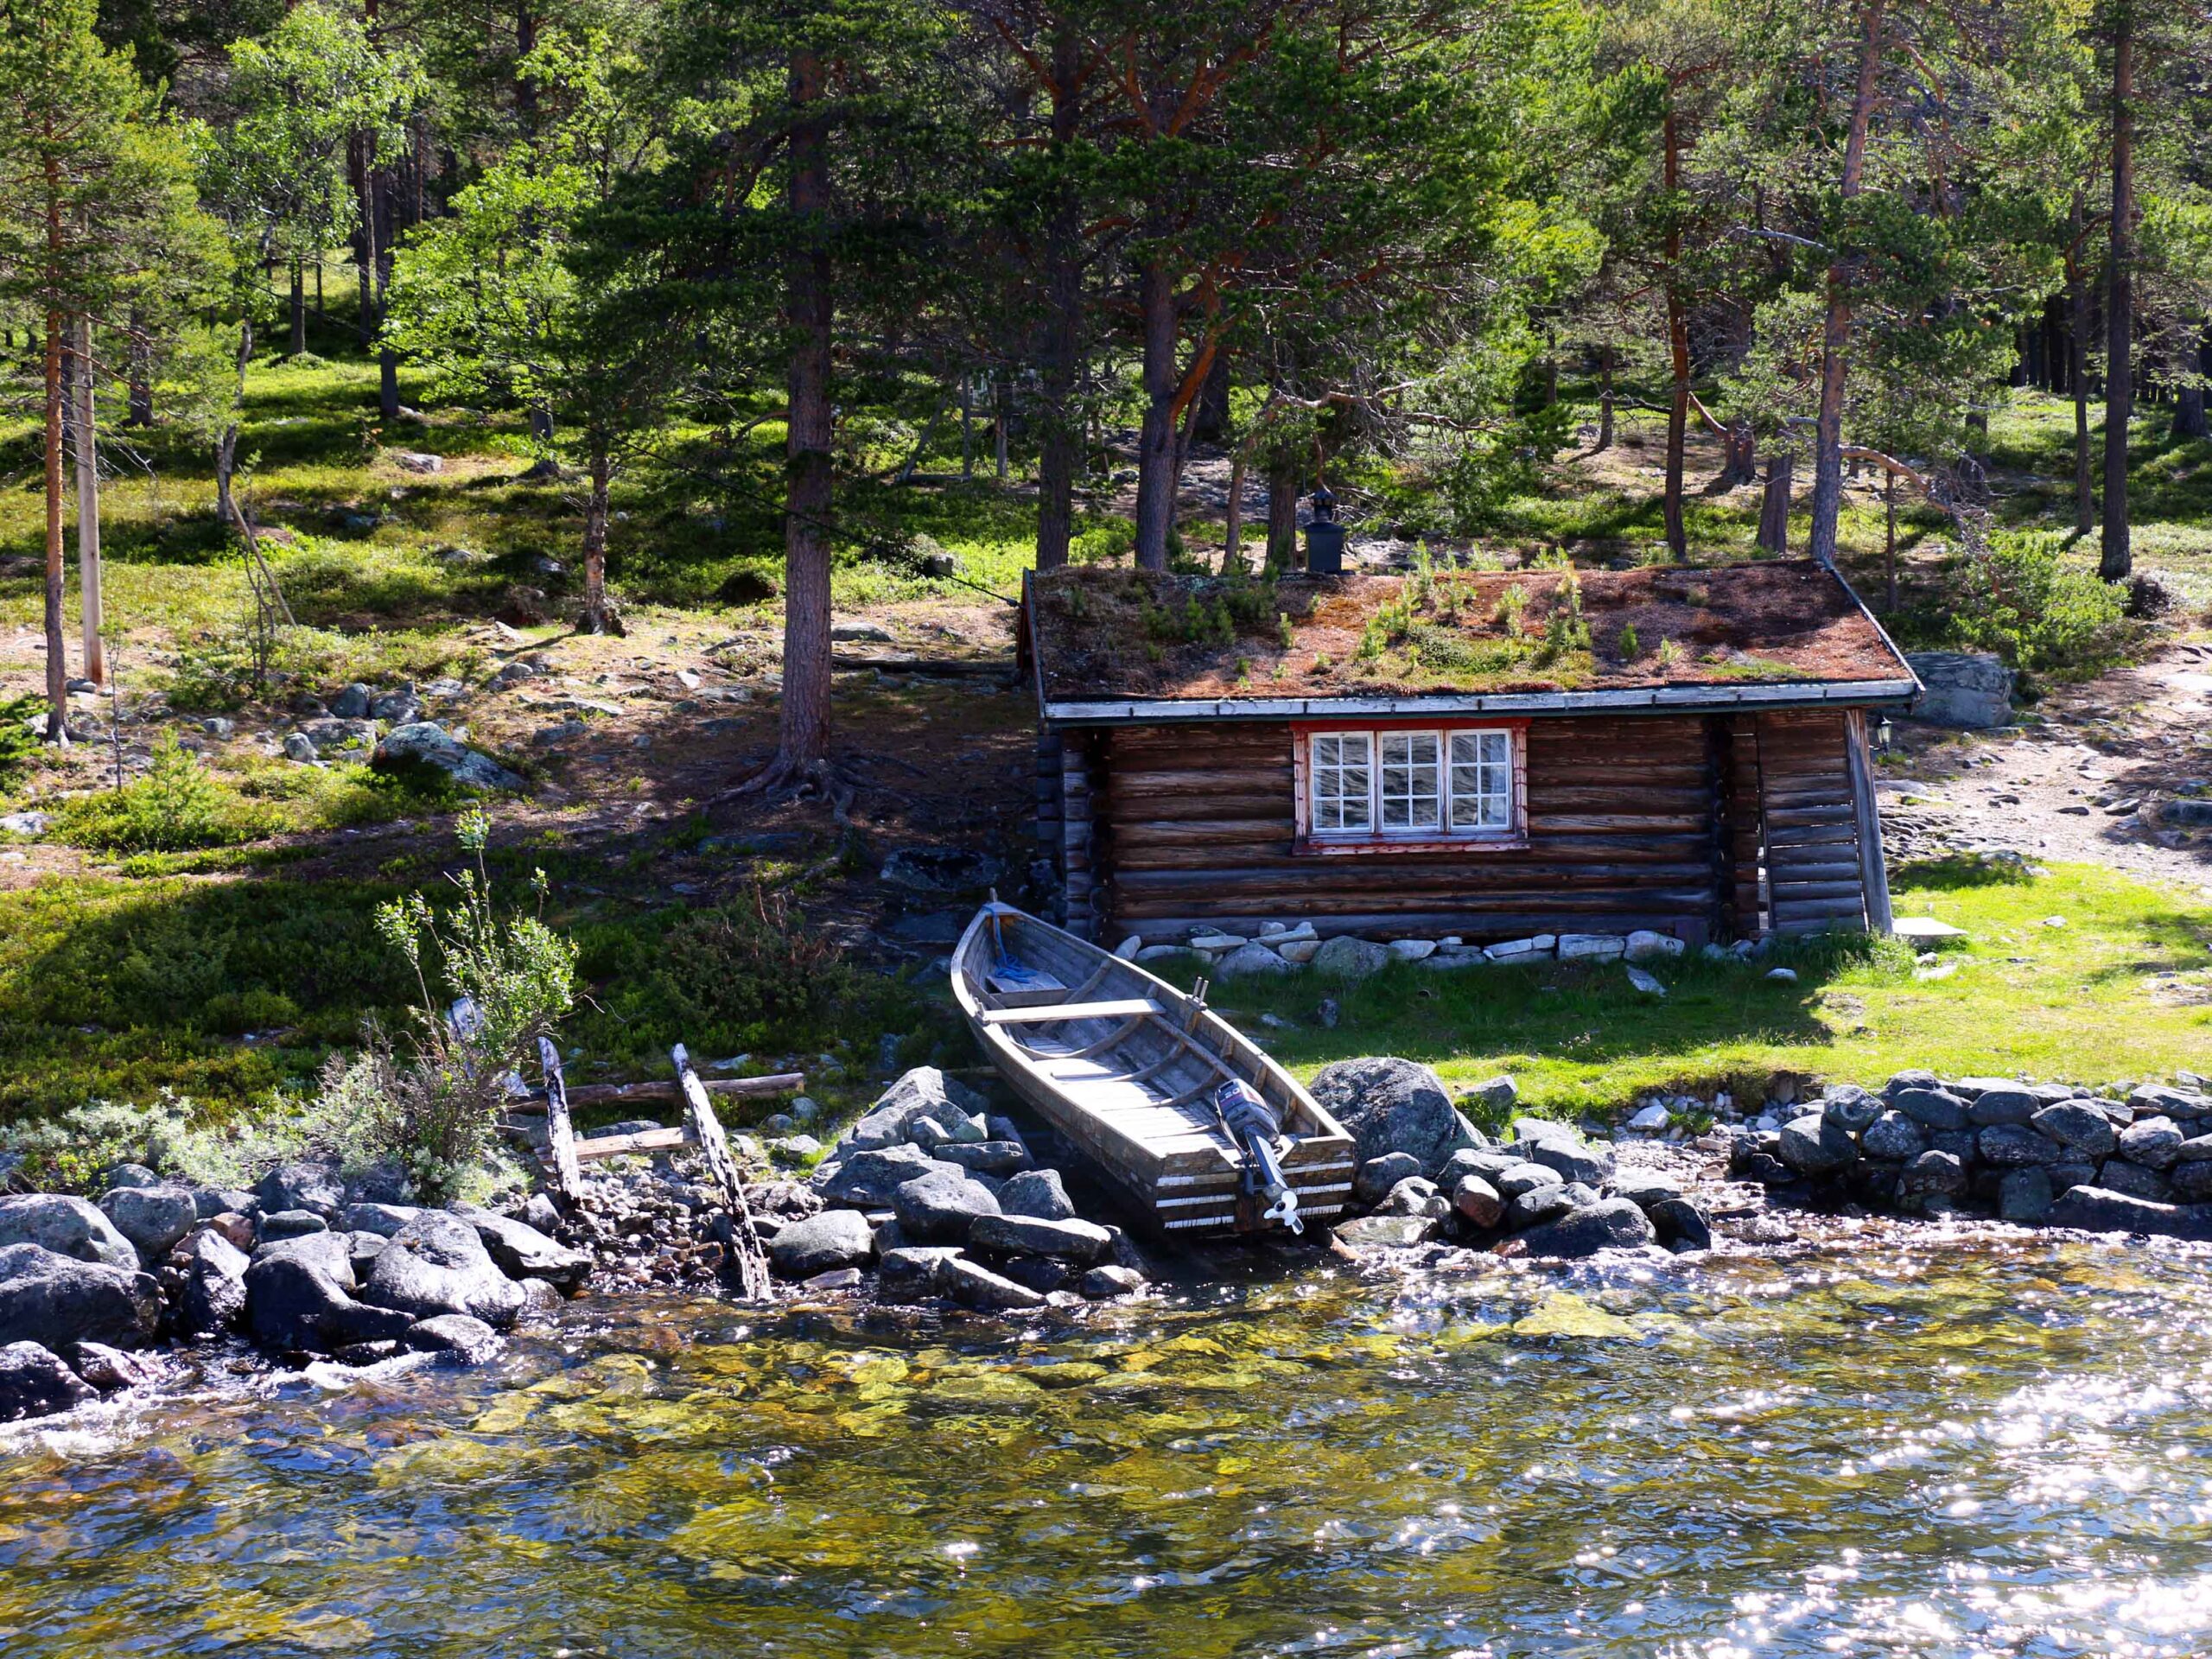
(601, 1094)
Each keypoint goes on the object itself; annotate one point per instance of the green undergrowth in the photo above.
(2122, 989)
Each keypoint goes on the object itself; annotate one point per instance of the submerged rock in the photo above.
(34, 1382)
(1385, 1232)
(2097, 1210)
(1611, 1223)
(456, 1336)
(1102, 1282)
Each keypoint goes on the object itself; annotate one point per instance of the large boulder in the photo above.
(152, 1218)
(454, 1337)
(292, 1306)
(1073, 1241)
(215, 1283)
(1968, 691)
(835, 1238)
(1817, 1144)
(34, 1382)
(1895, 1137)
(381, 1218)
(437, 1264)
(868, 1177)
(1574, 1160)
(1391, 1105)
(426, 743)
(2002, 1102)
(2153, 1143)
(328, 1253)
(2096, 1210)
(58, 1301)
(1609, 1225)
(1937, 1110)
(72, 1227)
(312, 1187)
(1346, 957)
(976, 1285)
(2014, 1146)
(522, 1252)
(942, 1205)
(1037, 1192)
(2078, 1124)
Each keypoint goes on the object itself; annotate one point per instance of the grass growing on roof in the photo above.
(2122, 991)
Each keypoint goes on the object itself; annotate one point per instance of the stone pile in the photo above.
(304, 1264)
(1424, 1173)
(943, 1200)
(2037, 1154)
(1279, 948)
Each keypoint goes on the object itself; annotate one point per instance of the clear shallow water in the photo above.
(1959, 1449)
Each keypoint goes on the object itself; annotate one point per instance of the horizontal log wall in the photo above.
(1196, 826)
(1815, 873)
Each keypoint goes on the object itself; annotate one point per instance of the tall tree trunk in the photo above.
(88, 509)
(1774, 504)
(387, 360)
(1061, 444)
(2189, 401)
(1282, 512)
(1678, 354)
(1605, 400)
(2115, 559)
(967, 428)
(299, 307)
(57, 647)
(142, 373)
(1156, 435)
(1739, 456)
(1835, 330)
(365, 232)
(2077, 378)
(803, 738)
(594, 619)
(1212, 424)
(998, 427)
(1232, 536)
(1889, 543)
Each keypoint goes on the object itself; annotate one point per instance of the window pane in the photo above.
(1412, 787)
(1482, 781)
(1340, 783)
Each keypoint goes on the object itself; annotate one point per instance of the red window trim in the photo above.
(1305, 843)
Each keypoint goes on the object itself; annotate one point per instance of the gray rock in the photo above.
(1966, 691)
(2196, 1150)
(328, 1253)
(130, 1175)
(1895, 1137)
(1851, 1106)
(1468, 1160)
(1525, 1176)
(1388, 1105)
(2026, 1195)
(2097, 1210)
(1935, 1109)
(68, 1226)
(522, 1252)
(1102, 1283)
(215, 1283)
(58, 1300)
(835, 1238)
(299, 748)
(384, 1182)
(1415, 1195)
(1349, 958)
(427, 743)
(2161, 1100)
(870, 1176)
(540, 1211)
(1385, 1232)
(292, 1306)
(110, 1370)
(1251, 960)
(2191, 1182)
(2003, 1103)
(1037, 1193)
(455, 1336)
(292, 1224)
(1074, 1241)
(152, 1218)
(1375, 1179)
(34, 1382)
(2153, 1143)
(1965, 1145)
(976, 1285)
(381, 1218)
(1680, 1224)
(361, 1252)
(208, 1202)
(2119, 1175)
(914, 1271)
(1478, 1203)
(1940, 1174)
(1815, 1145)
(2072, 1173)
(1542, 1204)
(301, 1187)
(1495, 1098)
(2010, 1146)
(2077, 1124)
(985, 1157)
(437, 1264)
(1642, 1187)
(1592, 1166)
(352, 703)
(942, 1205)
(1611, 1223)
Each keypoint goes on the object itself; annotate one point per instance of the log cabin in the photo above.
(1489, 755)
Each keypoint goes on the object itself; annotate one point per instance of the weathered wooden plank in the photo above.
(592, 1147)
(560, 1133)
(603, 1094)
(1873, 875)
(706, 1129)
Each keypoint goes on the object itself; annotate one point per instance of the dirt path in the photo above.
(2090, 780)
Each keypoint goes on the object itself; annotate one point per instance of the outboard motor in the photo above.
(1252, 1123)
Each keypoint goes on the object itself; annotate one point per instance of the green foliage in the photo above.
(177, 806)
(19, 741)
(1628, 647)
(1566, 632)
(2026, 601)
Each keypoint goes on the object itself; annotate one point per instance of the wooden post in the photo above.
(1873, 871)
(707, 1130)
(559, 1135)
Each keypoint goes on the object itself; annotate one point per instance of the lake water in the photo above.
(1966, 1447)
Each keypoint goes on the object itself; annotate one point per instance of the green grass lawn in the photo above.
(2077, 1002)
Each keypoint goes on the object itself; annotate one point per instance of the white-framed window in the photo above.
(1426, 786)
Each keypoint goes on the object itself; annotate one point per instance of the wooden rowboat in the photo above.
(1126, 1065)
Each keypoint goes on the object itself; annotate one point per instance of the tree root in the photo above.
(785, 779)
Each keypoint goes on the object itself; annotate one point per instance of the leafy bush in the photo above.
(73, 1151)
(177, 806)
(18, 742)
(2022, 600)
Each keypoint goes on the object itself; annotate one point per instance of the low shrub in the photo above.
(2023, 599)
(179, 805)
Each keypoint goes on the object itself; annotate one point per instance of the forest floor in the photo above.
(230, 970)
